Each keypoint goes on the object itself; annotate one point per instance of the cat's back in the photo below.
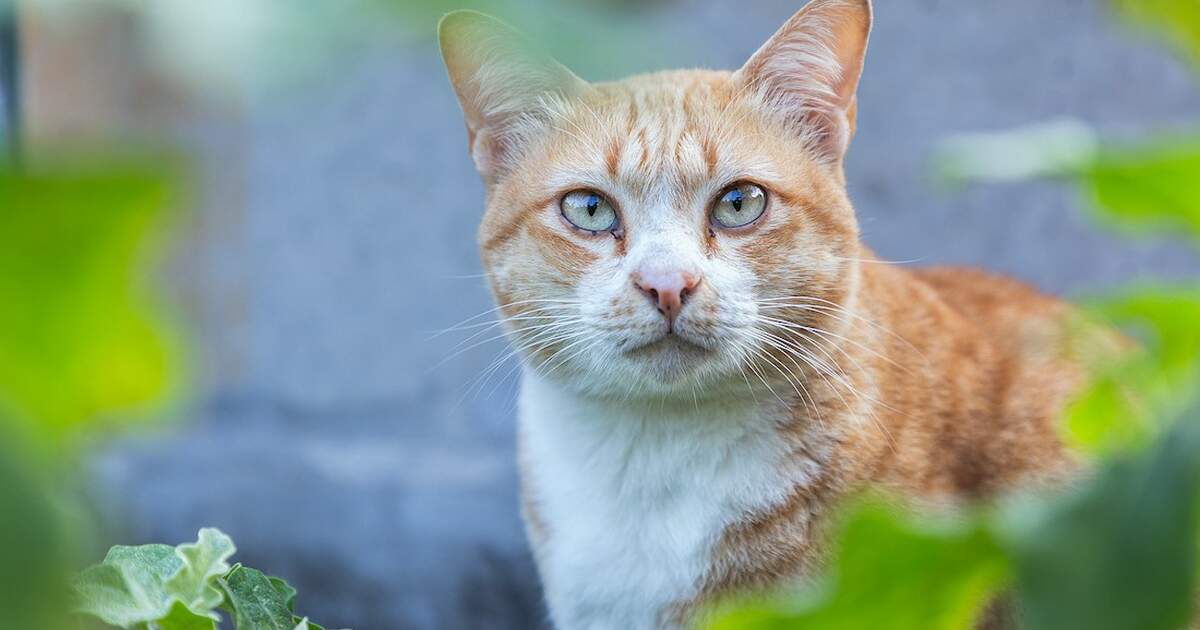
(992, 300)
(986, 375)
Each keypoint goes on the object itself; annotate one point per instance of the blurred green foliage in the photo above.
(1117, 551)
(1148, 188)
(81, 340)
(894, 572)
(36, 548)
(1177, 20)
(1162, 369)
(82, 345)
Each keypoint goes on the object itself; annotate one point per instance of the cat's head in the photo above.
(669, 232)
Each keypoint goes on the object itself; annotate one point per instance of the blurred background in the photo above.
(329, 234)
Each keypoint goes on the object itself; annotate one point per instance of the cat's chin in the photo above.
(670, 358)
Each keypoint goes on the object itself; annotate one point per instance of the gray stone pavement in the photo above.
(338, 225)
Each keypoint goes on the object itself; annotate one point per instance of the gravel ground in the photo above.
(339, 230)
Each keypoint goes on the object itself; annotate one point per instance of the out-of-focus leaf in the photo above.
(80, 339)
(257, 602)
(34, 556)
(1050, 149)
(1178, 20)
(1156, 187)
(148, 583)
(1131, 394)
(890, 572)
(1120, 554)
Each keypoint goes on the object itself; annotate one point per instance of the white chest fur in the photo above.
(634, 496)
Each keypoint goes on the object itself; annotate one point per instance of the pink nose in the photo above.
(668, 289)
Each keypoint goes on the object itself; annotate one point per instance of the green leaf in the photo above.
(890, 572)
(203, 562)
(286, 589)
(1150, 188)
(127, 588)
(80, 338)
(257, 603)
(1178, 20)
(139, 585)
(1120, 553)
(180, 618)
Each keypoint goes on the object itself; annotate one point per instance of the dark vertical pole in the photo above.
(10, 77)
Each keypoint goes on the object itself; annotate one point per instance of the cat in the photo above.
(711, 357)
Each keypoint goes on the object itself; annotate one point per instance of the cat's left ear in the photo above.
(503, 83)
(808, 72)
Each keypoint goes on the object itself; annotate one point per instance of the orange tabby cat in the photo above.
(710, 355)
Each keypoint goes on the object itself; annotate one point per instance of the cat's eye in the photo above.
(589, 210)
(739, 205)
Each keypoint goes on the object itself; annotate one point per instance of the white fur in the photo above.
(634, 495)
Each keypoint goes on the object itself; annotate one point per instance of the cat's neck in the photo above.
(609, 484)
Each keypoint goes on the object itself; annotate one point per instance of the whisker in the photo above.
(535, 343)
(825, 333)
(460, 351)
(835, 310)
(502, 306)
(825, 373)
(764, 338)
(882, 262)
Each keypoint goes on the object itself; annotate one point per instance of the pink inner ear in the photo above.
(809, 70)
(501, 79)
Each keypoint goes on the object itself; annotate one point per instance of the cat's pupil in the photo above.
(736, 200)
(592, 204)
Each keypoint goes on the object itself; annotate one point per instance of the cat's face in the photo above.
(673, 232)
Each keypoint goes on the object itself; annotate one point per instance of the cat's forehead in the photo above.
(681, 90)
(669, 130)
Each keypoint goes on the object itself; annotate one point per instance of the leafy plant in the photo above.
(182, 588)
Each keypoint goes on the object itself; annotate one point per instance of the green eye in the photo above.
(739, 205)
(588, 210)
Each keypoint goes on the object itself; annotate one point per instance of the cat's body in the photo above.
(711, 357)
(639, 510)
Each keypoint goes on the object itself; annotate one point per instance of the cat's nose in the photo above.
(668, 289)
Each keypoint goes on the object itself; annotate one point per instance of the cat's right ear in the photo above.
(504, 85)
